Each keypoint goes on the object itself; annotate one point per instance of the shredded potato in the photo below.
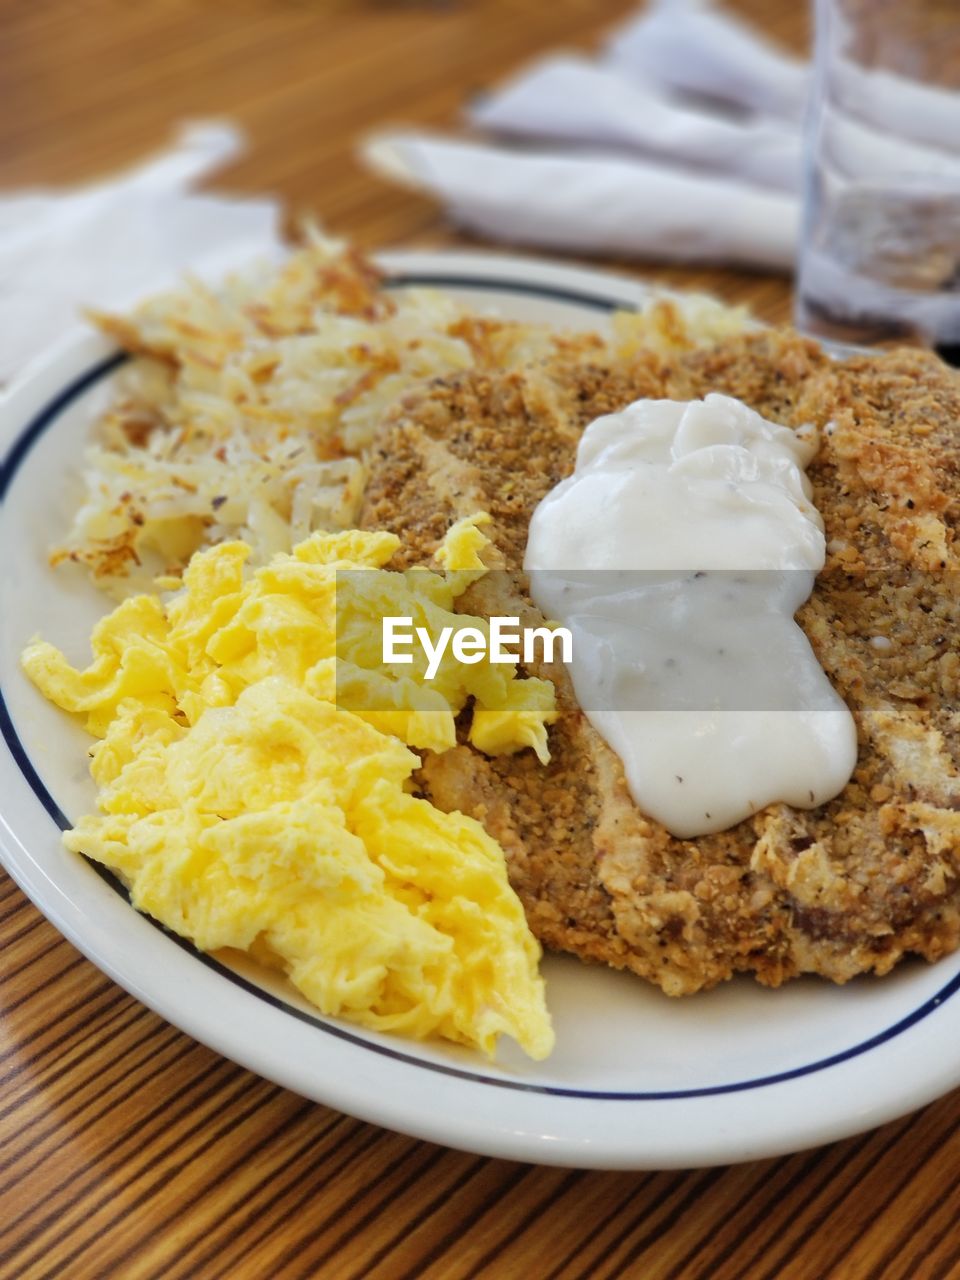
(248, 412)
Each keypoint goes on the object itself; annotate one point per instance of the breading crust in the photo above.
(846, 888)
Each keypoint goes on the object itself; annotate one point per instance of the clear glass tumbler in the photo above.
(880, 249)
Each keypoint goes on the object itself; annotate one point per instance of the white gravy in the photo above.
(677, 554)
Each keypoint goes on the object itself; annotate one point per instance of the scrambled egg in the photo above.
(246, 805)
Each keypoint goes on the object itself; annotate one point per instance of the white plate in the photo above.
(636, 1081)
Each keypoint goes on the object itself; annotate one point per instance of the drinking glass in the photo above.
(880, 247)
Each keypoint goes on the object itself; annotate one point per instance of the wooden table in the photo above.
(125, 1148)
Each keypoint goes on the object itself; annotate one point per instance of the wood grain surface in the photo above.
(128, 1150)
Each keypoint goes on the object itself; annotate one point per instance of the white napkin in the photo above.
(592, 203)
(111, 243)
(682, 143)
(565, 98)
(617, 162)
(691, 47)
(924, 114)
(569, 98)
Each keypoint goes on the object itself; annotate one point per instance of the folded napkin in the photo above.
(111, 243)
(921, 113)
(690, 47)
(591, 202)
(682, 141)
(568, 98)
(621, 156)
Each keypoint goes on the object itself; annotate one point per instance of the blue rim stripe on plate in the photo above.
(19, 451)
(493, 285)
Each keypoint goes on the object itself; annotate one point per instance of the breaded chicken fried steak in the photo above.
(845, 888)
